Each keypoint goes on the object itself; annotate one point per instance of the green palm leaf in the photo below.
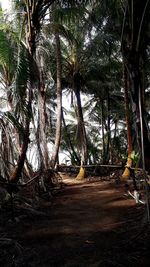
(7, 59)
(27, 74)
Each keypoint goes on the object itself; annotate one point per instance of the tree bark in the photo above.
(81, 133)
(108, 148)
(59, 103)
(42, 119)
(126, 172)
(103, 136)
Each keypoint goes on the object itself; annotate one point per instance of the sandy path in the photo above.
(88, 225)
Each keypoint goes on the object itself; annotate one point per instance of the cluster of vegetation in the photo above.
(50, 49)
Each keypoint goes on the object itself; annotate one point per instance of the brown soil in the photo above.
(87, 224)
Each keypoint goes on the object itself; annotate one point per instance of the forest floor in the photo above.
(86, 224)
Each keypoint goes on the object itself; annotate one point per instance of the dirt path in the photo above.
(86, 225)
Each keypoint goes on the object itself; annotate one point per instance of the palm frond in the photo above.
(7, 59)
(14, 121)
(27, 74)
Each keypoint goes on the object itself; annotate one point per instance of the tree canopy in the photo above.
(74, 80)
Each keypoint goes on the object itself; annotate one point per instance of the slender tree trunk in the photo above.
(59, 103)
(108, 148)
(126, 173)
(42, 119)
(127, 112)
(81, 135)
(103, 135)
(81, 132)
(115, 154)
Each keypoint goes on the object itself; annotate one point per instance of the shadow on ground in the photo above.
(85, 225)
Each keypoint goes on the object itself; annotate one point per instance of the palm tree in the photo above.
(104, 66)
(34, 13)
(88, 60)
(73, 59)
(8, 63)
(59, 27)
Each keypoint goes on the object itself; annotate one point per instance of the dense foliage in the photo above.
(74, 84)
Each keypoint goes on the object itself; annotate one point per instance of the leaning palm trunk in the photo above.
(59, 104)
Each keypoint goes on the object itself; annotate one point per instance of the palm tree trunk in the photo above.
(108, 148)
(42, 118)
(59, 103)
(115, 154)
(81, 129)
(126, 172)
(103, 137)
(82, 139)
(81, 132)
